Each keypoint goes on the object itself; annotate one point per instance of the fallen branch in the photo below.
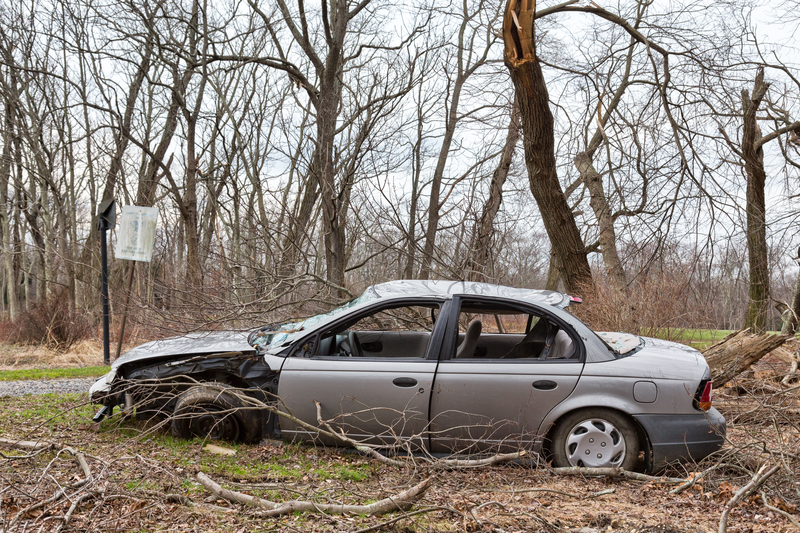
(402, 502)
(781, 512)
(81, 461)
(617, 473)
(758, 479)
(71, 511)
(554, 491)
(376, 527)
(692, 481)
(444, 464)
(27, 444)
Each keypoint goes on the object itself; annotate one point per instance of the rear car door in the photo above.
(371, 374)
(494, 398)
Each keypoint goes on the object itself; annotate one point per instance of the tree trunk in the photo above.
(6, 207)
(480, 262)
(790, 322)
(553, 274)
(416, 172)
(737, 352)
(539, 142)
(753, 154)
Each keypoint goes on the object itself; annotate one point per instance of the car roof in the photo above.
(405, 289)
(447, 289)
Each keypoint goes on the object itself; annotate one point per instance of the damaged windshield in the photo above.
(282, 334)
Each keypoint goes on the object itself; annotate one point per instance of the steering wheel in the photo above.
(355, 344)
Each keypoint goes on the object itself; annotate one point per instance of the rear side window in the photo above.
(499, 332)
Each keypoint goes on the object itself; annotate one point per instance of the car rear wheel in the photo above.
(596, 438)
(209, 411)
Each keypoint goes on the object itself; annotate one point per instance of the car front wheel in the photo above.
(211, 411)
(596, 438)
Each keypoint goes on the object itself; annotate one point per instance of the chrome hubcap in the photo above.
(595, 443)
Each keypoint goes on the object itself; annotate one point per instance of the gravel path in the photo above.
(45, 386)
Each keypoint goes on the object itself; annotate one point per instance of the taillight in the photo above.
(706, 396)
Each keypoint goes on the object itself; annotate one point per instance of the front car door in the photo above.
(371, 374)
(493, 397)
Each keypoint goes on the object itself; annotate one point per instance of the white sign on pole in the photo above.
(137, 233)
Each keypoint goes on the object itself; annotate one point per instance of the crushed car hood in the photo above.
(191, 344)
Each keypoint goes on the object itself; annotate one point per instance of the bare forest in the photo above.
(643, 154)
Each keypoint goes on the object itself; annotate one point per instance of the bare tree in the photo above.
(539, 143)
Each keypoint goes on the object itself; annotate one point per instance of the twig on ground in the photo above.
(580, 496)
(781, 512)
(616, 472)
(403, 517)
(758, 479)
(691, 482)
(27, 444)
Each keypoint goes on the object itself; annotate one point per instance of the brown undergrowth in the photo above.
(142, 479)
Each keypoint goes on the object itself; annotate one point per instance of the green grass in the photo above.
(54, 373)
(702, 336)
(49, 410)
(696, 338)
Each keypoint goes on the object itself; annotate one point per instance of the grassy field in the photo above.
(696, 338)
(54, 373)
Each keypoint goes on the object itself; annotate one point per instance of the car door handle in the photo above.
(404, 382)
(545, 384)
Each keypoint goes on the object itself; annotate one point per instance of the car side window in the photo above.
(498, 332)
(395, 332)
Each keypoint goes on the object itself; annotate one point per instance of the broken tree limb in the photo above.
(401, 502)
(781, 512)
(444, 464)
(615, 472)
(759, 478)
(737, 352)
(27, 444)
(81, 459)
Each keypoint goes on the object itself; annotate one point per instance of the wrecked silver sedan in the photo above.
(445, 367)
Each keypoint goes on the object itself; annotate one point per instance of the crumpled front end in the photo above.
(100, 389)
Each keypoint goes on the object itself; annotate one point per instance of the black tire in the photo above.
(208, 411)
(595, 437)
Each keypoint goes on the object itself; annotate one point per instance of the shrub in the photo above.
(659, 305)
(51, 323)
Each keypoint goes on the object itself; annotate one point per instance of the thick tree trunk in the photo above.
(737, 352)
(553, 274)
(6, 207)
(333, 226)
(753, 154)
(480, 262)
(539, 142)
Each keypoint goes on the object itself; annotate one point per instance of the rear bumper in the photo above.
(683, 437)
